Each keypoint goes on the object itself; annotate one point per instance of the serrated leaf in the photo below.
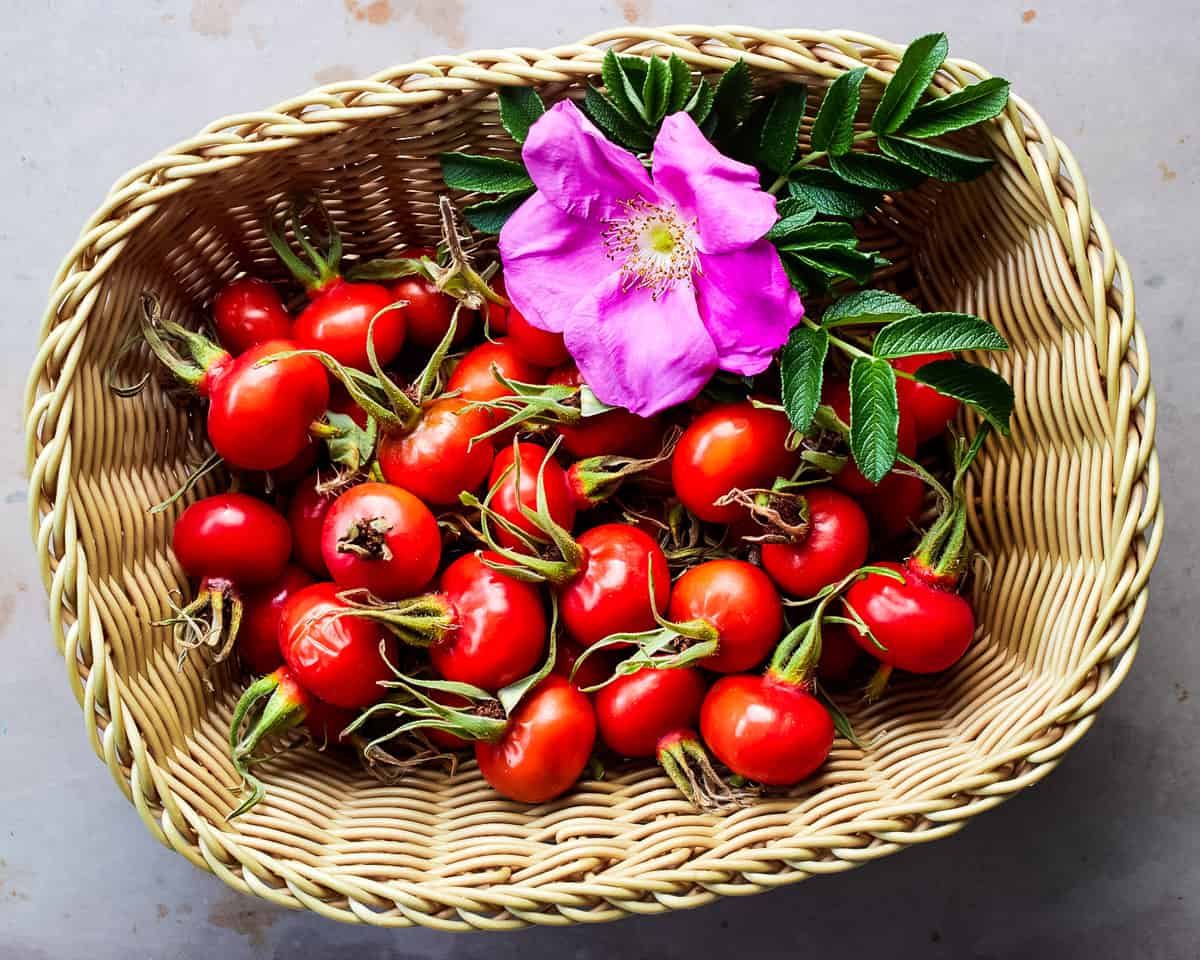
(701, 103)
(830, 194)
(622, 95)
(937, 333)
(802, 363)
(981, 388)
(803, 278)
(787, 225)
(969, 106)
(681, 84)
(838, 262)
(874, 417)
(520, 107)
(743, 143)
(656, 89)
(911, 79)
(824, 233)
(873, 172)
(833, 130)
(731, 99)
(781, 132)
(600, 110)
(941, 163)
(790, 206)
(489, 216)
(462, 171)
(868, 306)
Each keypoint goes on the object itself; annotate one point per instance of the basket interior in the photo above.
(1040, 522)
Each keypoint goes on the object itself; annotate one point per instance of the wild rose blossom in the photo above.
(655, 282)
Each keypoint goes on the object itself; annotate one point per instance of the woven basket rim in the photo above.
(1050, 170)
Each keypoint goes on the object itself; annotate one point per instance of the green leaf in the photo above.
(520, 108)
(731, 99)
(701, 103)
(833, 130)
(781, 132)
(983, 389)
(823, 233)
(681, 84)
(803, 278)
(790, 207)
(873, 172)
(836, 261)
(874, 417)
(785, 226)
(937, 333)
(656, 90)
(911, 79)
(940, 163)
(969, 106)
(802, 363)
(744, 142)
(461, 171)
(868, 306)
(622, 95)
(600, 110)
(488, 216)
(830, 194)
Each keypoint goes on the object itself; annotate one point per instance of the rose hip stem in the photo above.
(684, 759)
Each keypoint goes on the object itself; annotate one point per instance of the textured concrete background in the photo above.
(1099, 861)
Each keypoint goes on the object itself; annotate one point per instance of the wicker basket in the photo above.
(1067, 513)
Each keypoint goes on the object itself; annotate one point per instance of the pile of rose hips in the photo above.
(434, 551)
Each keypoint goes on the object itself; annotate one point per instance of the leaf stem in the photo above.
(810, 158)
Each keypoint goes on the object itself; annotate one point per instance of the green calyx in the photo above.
(417, 621)
(667, 647)
(187, 354)
(551, 555)
(320, 242)
(529, 405)
(942, 556)
(287, 705)
(367, 539)
(476, 714)
(782, 515)
(596, 479)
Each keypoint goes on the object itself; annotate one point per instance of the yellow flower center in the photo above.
(655, 246)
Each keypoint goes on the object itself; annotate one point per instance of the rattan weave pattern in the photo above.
(1067, 513)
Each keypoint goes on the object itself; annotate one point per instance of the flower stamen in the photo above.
(655, 244)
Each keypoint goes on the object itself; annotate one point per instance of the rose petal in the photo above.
(578, 169)
(724, 196)
(637, 352)
(747, 305)
(551, 261)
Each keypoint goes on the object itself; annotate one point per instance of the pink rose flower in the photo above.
(655, 282)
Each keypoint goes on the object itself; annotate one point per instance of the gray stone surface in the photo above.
(1101, 860)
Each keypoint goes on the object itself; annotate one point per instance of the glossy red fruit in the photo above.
(611, 592)
(839, 652)
(929, 410)
(834, 546)
(248, 312)
(258, 417)
(335, 657)
(924, 629)
(497, 316)
(338, 316)
(894, 507)
(341, 402)
(560, 501)
(731, 446)
(837, 395)
(232, 537)
(429, 312)
(258, 635)
(298, 467)
(739, 601)
(473, 377)
(635, 711)
(595, 670)
(306, 517)
(325, 723)
(499, 633)
(436, 459)
(546, 747)
(766, 729)
(613, 432)
(381, 538)
(540, 347)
